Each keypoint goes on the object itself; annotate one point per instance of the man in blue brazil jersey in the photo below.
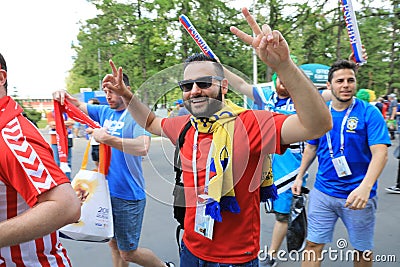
(350, 159)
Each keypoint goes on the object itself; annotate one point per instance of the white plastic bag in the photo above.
(96, 221)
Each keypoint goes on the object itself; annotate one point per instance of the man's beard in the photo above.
(341, 99)
(115, 105)
(213, 105)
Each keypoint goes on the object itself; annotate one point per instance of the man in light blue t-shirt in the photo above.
(129, 143)
(350, 159)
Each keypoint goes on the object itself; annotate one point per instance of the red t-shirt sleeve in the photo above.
(172, 127)
(31, 169)
(279, 119)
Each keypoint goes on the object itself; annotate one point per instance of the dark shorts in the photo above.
(95, 152)
(282, 217)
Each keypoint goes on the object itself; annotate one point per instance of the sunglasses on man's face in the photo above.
(202, 82)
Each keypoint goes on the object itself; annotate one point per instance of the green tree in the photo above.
(145, 37)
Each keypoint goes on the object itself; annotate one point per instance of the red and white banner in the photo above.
(352, 30)
(188, 25)
(62, 138)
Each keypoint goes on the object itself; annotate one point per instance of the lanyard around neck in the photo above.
(328, 135)
(194, 163)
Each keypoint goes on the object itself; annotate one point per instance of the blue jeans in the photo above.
(57, 158)
(187, 259)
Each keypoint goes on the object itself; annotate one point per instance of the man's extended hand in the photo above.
(358, 198)
(61, 95)
(100, 134)
(115, 83)
(270, 45)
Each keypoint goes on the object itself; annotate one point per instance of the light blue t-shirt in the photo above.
(365, 127)
(125, 175)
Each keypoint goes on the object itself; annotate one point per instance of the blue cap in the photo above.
(179, 102)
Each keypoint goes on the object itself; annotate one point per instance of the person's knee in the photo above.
(112, 244)
(313, 252)
(314, 246)
(363, 256)
(129, 256)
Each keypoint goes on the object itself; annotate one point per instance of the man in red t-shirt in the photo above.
(36, 197)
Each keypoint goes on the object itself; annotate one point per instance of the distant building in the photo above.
(41, 105)
(44, 105)
(85, 95)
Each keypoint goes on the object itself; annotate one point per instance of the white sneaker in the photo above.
(393, 189)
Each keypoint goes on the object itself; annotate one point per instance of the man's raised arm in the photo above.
(313, 118)
(239, 83)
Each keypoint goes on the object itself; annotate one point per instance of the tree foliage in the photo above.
(145, 37)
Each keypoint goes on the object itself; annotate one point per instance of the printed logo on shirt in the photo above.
(288, 107)
(114, 127)
(26, 156)
(352, 124)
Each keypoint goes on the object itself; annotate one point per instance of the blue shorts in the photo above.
(128, 218)
(187, 259)
(323, 212)
(283, 202)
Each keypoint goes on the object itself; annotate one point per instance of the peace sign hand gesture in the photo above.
(114, 82)
(270, 45)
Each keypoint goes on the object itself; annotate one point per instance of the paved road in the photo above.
(159, 226)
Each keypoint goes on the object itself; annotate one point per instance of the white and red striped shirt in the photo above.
(27, 170)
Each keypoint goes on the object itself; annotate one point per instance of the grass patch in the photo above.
(42, 124)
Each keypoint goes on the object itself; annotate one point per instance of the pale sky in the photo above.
(36, 38)
(36, 41)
